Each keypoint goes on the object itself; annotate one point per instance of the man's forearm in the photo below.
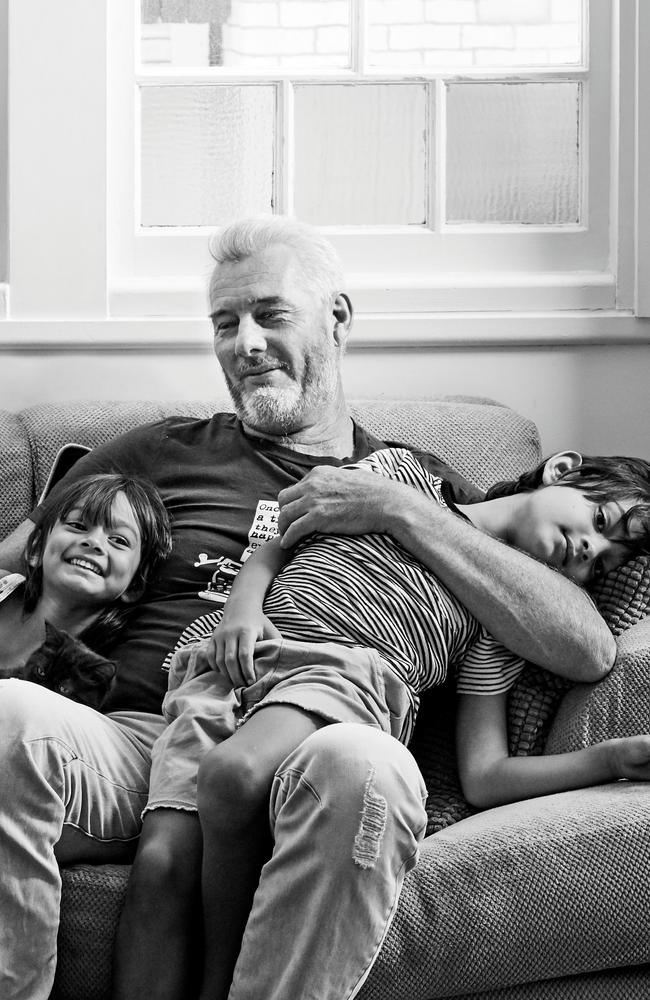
(530, 608)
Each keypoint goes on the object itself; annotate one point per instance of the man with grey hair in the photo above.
(281, 322)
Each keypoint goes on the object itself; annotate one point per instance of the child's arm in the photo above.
(490, 777)
(244, 622)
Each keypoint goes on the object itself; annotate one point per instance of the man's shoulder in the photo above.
(182, 427)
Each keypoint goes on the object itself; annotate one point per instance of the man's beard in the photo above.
(277, 410)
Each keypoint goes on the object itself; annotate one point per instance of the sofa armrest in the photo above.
(619, 705)
(551, 887)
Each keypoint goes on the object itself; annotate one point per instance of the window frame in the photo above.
(391, 268)
(82, 259)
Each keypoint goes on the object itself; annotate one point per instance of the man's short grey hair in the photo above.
(317, 257)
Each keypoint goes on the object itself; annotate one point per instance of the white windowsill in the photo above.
(398, 294)
(395, 331)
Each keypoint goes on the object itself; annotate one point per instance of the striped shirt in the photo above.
(366, 590)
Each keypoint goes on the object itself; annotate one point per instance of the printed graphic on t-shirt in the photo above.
(224, 570)
(264, 527)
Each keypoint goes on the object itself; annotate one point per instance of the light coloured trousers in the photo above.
(347, 816)
(62, 765)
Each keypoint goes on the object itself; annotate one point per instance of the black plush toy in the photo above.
(66, 665)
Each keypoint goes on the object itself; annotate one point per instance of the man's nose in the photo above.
(250, 337)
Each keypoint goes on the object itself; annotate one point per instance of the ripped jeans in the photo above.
(347, 815)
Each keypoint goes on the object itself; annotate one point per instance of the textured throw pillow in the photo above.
(623, 596)
(623, 599)
(619, 705)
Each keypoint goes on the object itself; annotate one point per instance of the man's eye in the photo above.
(224, 326)
(270, 316)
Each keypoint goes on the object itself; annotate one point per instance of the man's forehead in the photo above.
(236, 303)
(273, 274)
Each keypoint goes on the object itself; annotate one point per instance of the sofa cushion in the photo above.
(569, 873)
(16, 475)
(481, 439)
(623, 596)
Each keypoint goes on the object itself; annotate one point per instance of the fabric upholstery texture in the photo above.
(623, 596)
(554, 871)
(16, 477)
(619, 705)
(521, 893)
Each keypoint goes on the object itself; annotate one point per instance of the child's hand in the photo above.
(233, 641)
(631, 757)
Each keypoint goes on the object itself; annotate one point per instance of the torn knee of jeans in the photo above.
(367, 842)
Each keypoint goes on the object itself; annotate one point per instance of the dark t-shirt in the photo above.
(220, 486)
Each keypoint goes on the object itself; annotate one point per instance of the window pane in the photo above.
(457, 34)
(246, 34)
(207, 154)
(360, 154)
(512, 152)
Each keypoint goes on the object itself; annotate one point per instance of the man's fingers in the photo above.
(296, 530)
(291, 512)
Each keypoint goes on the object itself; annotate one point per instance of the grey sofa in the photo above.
(546, 898)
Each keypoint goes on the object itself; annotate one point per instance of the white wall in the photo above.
(3, 142)
(592, 398)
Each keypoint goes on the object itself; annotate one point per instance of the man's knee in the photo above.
(347, 755)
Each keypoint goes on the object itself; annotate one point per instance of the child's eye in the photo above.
(600, 519)
(120, 540)
(597, 569)
(77, 525)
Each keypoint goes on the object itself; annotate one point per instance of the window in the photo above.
(473, 160)
(458, 153)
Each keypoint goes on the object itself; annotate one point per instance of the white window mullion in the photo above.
(358, 36)
(437, 154)
(284, 149)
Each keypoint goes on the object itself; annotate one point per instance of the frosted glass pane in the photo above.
(360, 154)
(248, 34)
(512, 153)
(207, 154)
(455, 34)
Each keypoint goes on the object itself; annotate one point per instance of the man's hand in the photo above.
(232, 644)
(336, 502)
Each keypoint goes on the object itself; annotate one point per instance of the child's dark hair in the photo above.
(601, 478)
(95, 496)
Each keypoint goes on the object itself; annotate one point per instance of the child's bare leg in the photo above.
(234, 786)
(158, 944)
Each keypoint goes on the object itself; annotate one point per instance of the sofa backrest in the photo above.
(480, 438)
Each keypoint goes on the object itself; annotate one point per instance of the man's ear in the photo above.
(342, 311)
(558, 464)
